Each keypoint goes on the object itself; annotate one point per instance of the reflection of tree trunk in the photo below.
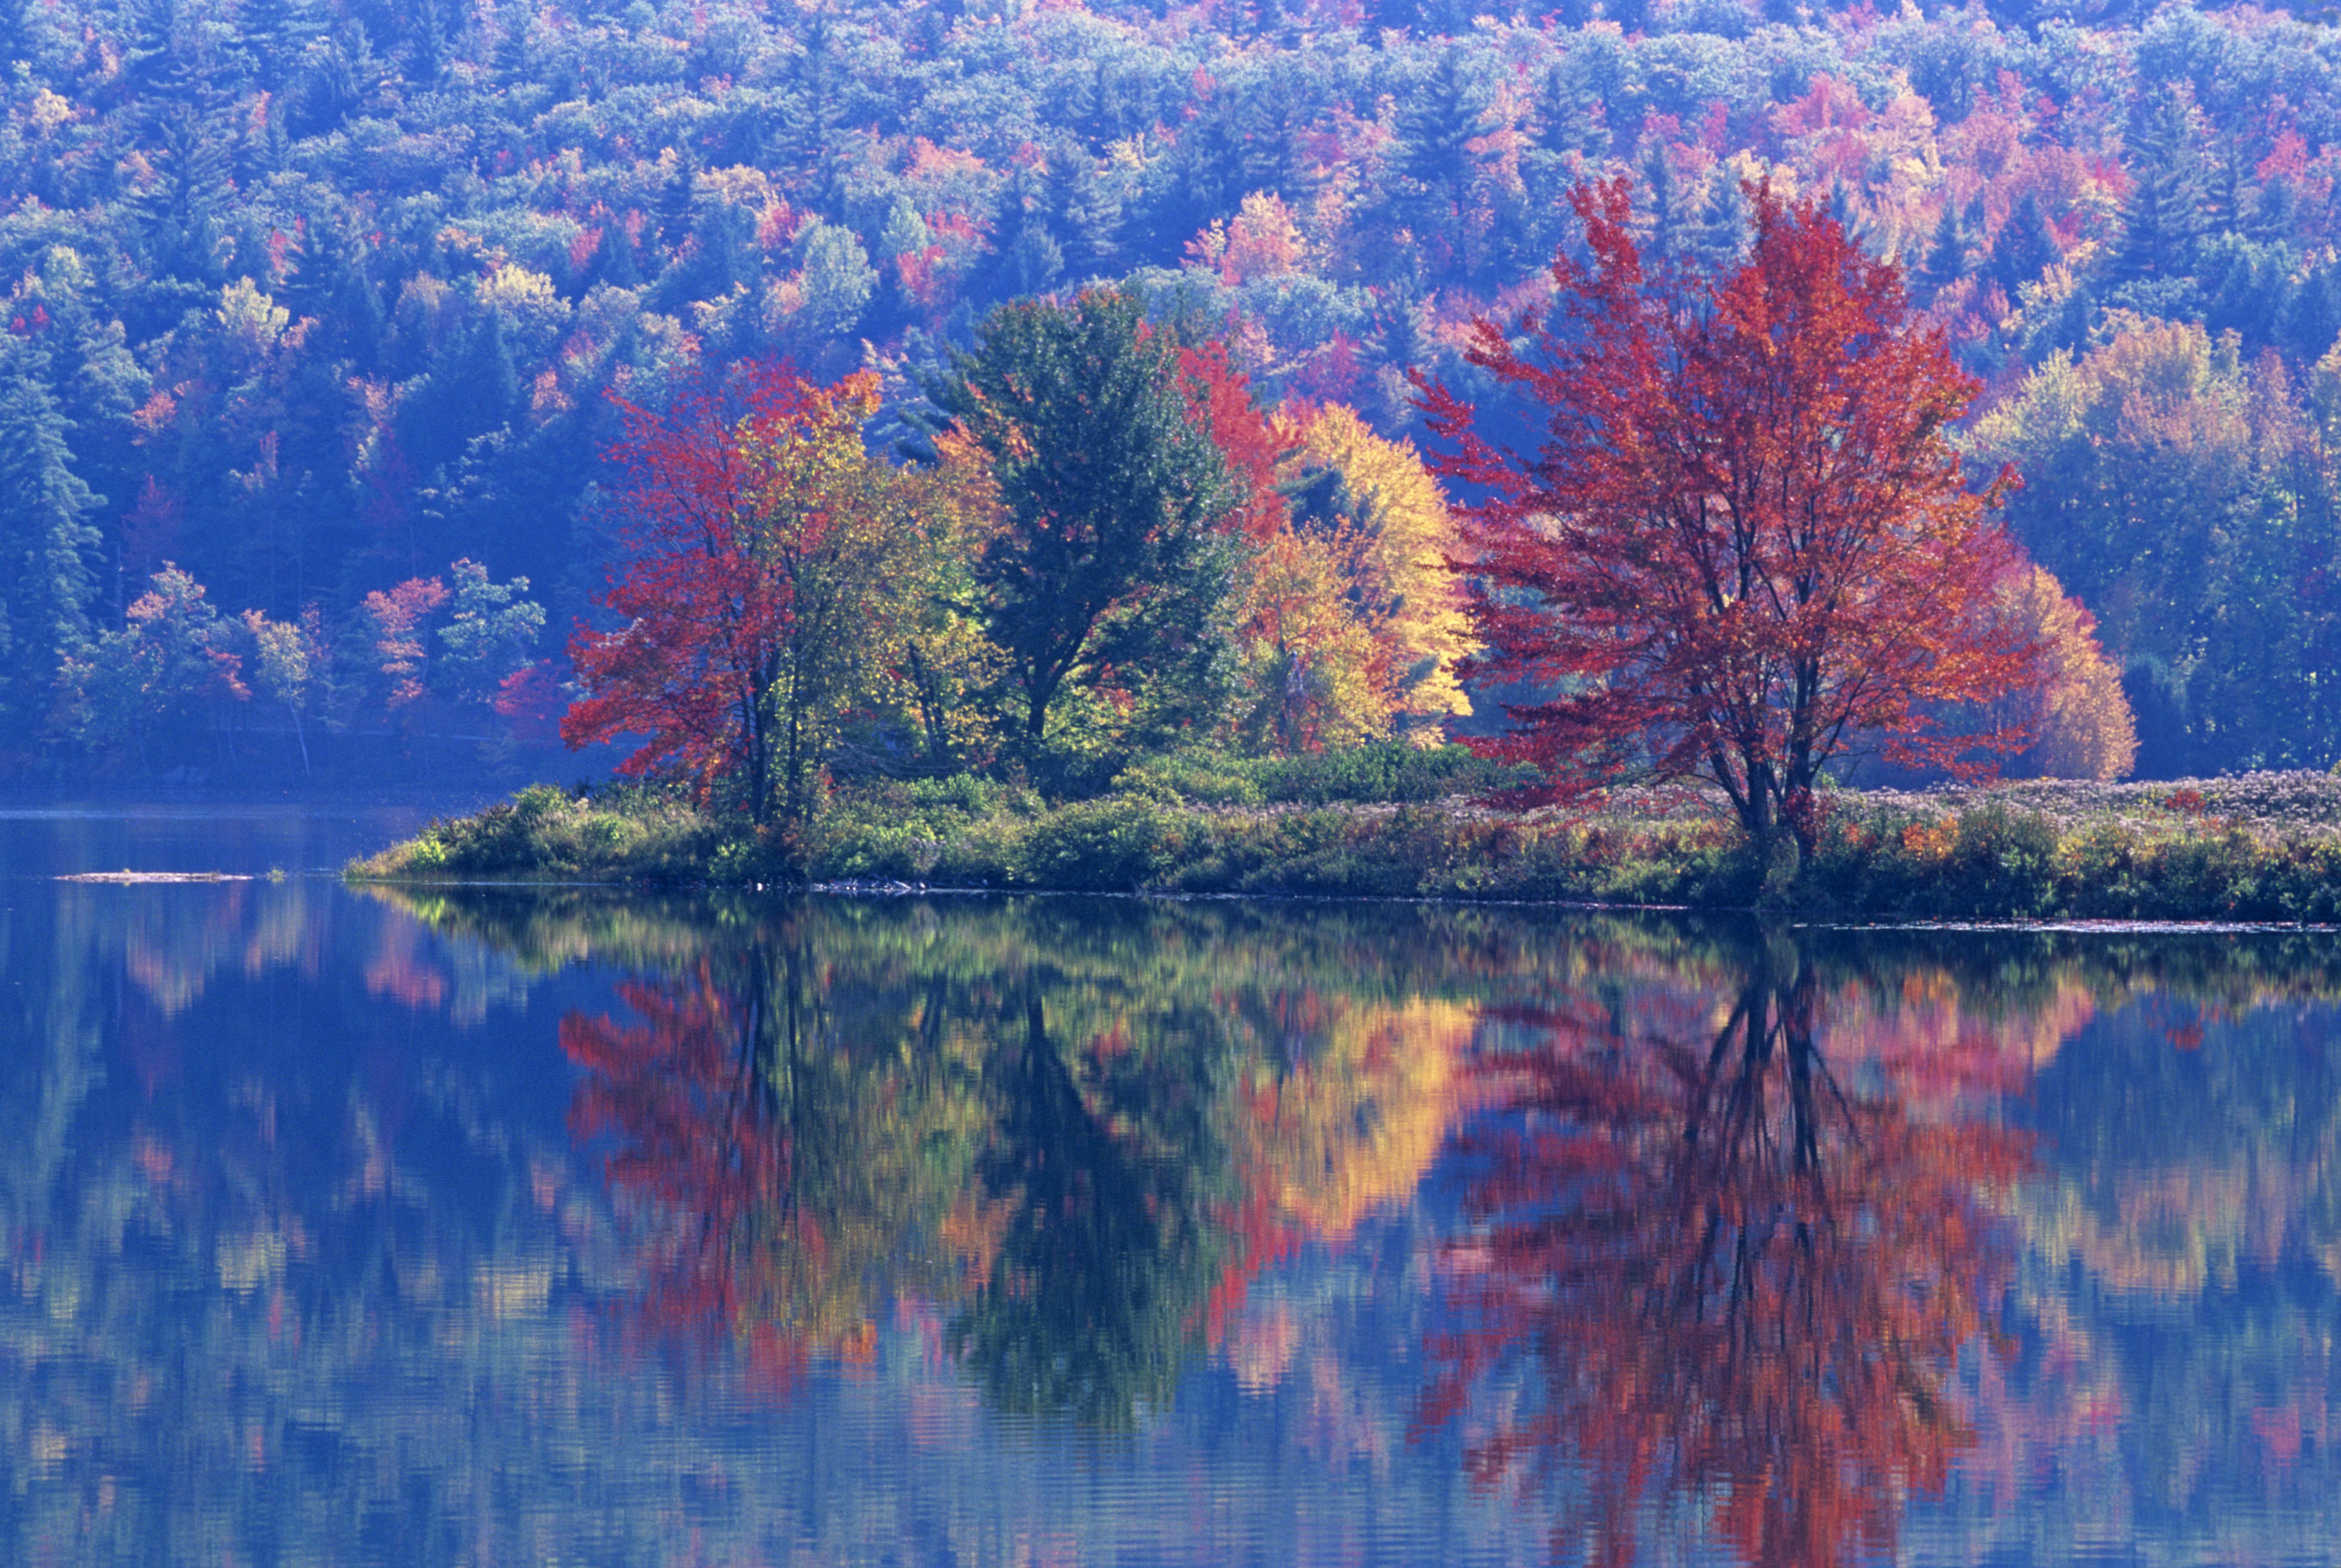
(1085, 1314)
(1737, 1280)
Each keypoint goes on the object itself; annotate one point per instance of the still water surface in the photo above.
(493, 1228)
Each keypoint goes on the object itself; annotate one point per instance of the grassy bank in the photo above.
(2257, 847)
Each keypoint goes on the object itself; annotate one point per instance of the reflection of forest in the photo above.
(276, 1239)
(1077, 1133)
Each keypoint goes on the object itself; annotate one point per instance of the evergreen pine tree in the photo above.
(46, 544)
(2274, 210)
(1666, 223)
(1084, 212)
(1841, 203)
(812, 132)
(1276, 151)
(434, 30)
(2163, 218)
(1570, 117)
(180, 217)
(1947, 256)
(2025, 247)
(2226, 178)
(1721, 233)
(329, 285)
(1436, 127)
(278, 32)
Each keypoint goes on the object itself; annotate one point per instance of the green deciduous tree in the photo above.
(1113, 560)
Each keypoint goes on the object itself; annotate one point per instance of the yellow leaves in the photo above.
(1313, 662)
(249, 319)
(1263, 242)
(48, 111)
(1926, 841)
(1402, 583)
(2081, 723)
(1355, 1128)
(518, 291)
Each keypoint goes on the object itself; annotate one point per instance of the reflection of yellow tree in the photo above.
(1350, 1128)
(1736, 1279)
(1354, 1127)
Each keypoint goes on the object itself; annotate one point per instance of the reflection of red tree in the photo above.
(399, 970)
(678, 1096)
(1737, 1283)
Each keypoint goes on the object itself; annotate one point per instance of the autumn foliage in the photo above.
(1730, 1270)
(1745, 545)
(758, 525)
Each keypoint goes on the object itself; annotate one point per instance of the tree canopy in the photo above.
(1744, 547)
(1114, 559)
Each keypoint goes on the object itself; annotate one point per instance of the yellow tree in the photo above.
(2079, 721)
(1389, 524)
(945, 669)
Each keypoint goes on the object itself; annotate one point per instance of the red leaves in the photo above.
(399, 617)
(1227, 414)
(1746, 545)
(1708, 1267)
(706, 599)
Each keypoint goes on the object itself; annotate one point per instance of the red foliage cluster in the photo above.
(1728, 1277)
(704, 596)
(1745, 544)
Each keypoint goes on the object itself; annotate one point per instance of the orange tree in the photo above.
(1744, 545)
(752, 609)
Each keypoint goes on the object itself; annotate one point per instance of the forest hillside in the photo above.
(321, 317)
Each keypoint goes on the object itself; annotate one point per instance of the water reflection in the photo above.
(522, 1229)
(1075, 1137)
(1709, 1266)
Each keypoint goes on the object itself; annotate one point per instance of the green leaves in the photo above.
(1113, 567)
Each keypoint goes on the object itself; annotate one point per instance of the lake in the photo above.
(512, 1226)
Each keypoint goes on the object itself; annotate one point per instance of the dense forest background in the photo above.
(312, 308)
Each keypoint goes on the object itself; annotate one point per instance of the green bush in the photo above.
(1388, 771)
(1114, 844)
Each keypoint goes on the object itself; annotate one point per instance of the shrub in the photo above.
(1111, 845)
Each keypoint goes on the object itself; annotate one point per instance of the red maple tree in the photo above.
(1225, 407)
(1744, 546)
(735, 516)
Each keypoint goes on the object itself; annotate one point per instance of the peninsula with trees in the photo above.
(1137, 447)
(1744, 552)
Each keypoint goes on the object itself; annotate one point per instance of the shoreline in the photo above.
(2251, 849)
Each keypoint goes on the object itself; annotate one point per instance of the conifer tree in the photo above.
(1947, 256)
(2026, 245)
(1665, 217)
(1721, 233)
(1085, 211)
(2163, 218)
(278, 32)
(46, 543)
(1436, 127)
